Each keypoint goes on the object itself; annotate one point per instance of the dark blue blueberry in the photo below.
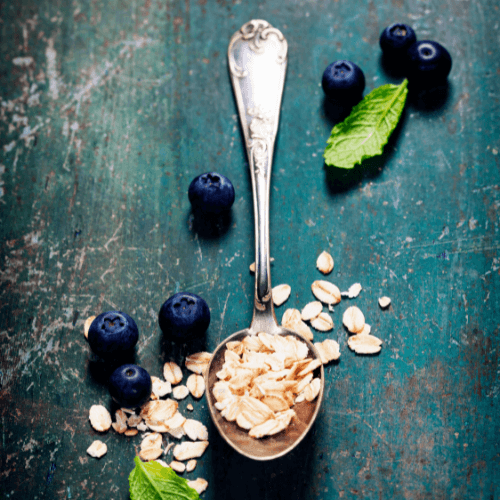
(343, 81)
(184, 316)
(429, 63)
(130, 386)
(112, 333)
(395, 41)
(211, 192)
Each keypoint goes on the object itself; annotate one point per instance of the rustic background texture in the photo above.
(110, 107)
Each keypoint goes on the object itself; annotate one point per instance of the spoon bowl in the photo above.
(272, 446)
(257, 57)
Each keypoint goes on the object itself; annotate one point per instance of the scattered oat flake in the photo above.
(99, 417)
(311, 310)
(97, 449)
(198, 362)
(281, 294)
(364, 344)
(199, 484)
(160, 387)
(172, 372)
(190, 407)
(86, 326)
(153, 440)
(134, 420)
(177, 433)
(328, 350)
(384, 302)
(178, 466)
(176, 422)
(190, 466)
(302, 329)
(290, 316)
(353, 319)
(151, 453)
(195, 430)
(131, 432)
(196, 385)
(119, 427)
(354, 291)
(188, 450)
(324, 262)
(121, 417)
(180, 392)
(159, 411)
(323, 322)
(292, 320)
(326, 292)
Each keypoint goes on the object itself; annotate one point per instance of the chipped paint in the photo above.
(51, 69)
(23, 61)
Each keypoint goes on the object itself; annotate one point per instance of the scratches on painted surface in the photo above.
(51, 69)
(114, 237)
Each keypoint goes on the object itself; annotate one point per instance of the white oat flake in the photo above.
(172, 372)
(97, 449)
(353, 292)
(200, 485)
(281, 293)
(324, 263)
(180, 392)
(100, 418)
(384, 302)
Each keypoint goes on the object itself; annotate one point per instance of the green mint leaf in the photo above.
(367, 129)
(152, 481)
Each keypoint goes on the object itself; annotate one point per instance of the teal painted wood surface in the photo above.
(110, 108)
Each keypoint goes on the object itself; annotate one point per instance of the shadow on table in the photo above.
(335, 111)
(429, 100)
(339, 180)
(235, 476)
(171, 350)
(209, 226)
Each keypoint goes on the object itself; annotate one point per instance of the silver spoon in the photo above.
(257, 62)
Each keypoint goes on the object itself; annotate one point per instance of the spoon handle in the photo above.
(257, 62)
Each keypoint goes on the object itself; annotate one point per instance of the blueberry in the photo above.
(130, 386)
(343, 81)
(211, 192)
(184, 316)
(112, 333)
(395, 41)
(429, 63)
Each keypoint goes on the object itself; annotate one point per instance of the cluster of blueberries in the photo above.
(112, 335)
(425, 63)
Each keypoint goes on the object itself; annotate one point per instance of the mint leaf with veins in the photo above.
(365, 132)
(152, 481)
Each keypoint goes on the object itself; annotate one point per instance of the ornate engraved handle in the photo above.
(257, 56)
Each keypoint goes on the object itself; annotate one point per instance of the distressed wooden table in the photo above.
(110, 108)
